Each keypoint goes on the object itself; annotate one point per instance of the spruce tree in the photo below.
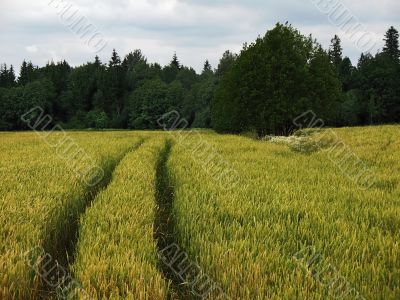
(27, 74)
(175, 62)
(392, 43)
(207, 67)
(11, 76)
(7, 76)
(23, 74)
(113, 89)
(335, 52)
(115, 59)
(97, 61)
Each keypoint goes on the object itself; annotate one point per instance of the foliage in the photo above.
(272, 81)
(97, 119)
(19, 100)
(335, 52)
(392, 43)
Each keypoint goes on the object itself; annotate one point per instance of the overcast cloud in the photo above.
(196, 29)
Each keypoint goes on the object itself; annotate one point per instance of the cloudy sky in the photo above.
(197, 30)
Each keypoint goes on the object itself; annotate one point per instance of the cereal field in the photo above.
(197, 215)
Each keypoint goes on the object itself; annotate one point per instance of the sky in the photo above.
(45, 30)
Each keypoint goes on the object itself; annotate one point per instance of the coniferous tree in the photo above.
(97, 61)
(115, 60)
(207, 67)
(335, 52)
(28, 73)
(175, 62)
(7, 76)
(170, 72)
(23, 73)
(114, 91)
(392, 43)
(346, 72)
(11, 76)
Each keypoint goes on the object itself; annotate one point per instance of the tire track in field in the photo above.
(61, 245)
(165, 230)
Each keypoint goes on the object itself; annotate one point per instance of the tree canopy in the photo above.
(274, 80)
(263, 88)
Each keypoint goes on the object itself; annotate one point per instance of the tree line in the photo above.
(261, 89)
(124, 93)
(284, 74)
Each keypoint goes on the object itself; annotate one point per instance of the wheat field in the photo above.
(193, 214)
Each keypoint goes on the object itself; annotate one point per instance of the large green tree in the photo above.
(335, 52)
(7, 76)
(278, 77)
(392, 43)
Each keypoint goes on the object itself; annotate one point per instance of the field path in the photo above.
(64, 250)
(171, 261)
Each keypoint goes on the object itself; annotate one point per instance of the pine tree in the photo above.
(335, 52)
(115, 59)
(3, 70)
(207, 67)
(345, 73)
(27, 73)
(392, 43)
(364, 60)
(113, 89)
(7, 76)
(175, 62)
(23, 74)
(11, 76)
(97, 61)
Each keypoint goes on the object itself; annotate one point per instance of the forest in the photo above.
(261, 89)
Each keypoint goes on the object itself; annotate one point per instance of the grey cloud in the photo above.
(196, 29)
